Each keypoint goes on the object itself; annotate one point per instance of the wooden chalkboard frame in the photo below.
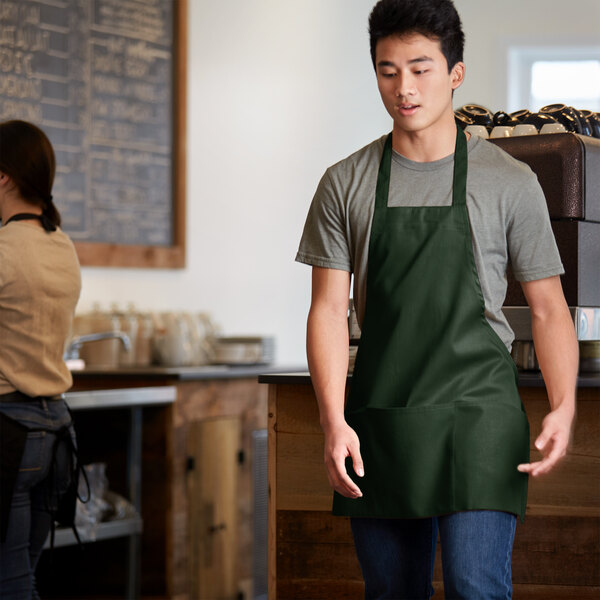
(95, 254)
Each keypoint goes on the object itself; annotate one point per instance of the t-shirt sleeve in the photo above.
(531, 244)
(324, 241)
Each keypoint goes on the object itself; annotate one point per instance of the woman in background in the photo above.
(40, 283)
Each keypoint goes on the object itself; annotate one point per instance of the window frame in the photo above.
(519, 55)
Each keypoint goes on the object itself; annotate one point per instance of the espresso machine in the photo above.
(568, 168)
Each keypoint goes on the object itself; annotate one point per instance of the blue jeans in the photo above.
(35, 496)
(396, 555)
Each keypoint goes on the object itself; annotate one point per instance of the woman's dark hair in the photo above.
(435, 19)
(27, 157)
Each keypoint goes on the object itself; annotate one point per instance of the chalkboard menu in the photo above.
(100, 77)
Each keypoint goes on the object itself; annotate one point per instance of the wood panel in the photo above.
(557, 549)
(353, 590)
(302, 479)
(197, 401)
(214, 445)
(555, 592)
(315, 549)
(573, 488)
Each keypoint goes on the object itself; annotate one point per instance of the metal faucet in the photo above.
(72, 351)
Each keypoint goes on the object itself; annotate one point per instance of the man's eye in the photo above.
(420, 71)
(388, 74)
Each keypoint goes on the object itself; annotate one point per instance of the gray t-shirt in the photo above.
(507, 212)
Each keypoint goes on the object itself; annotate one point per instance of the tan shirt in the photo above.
(40, 282)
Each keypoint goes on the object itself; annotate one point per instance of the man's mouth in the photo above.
(407, 108)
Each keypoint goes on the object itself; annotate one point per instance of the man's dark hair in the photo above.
(436, 19)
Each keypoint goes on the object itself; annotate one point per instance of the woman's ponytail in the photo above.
(50, 215)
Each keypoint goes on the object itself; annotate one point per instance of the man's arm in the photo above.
(327, 351)
(558, 356)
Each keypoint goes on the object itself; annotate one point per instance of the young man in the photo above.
(433, 436)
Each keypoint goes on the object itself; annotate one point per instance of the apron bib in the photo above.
(434, 396)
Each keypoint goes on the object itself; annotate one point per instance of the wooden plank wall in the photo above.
(557, 549)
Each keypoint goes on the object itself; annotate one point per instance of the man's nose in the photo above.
(404, 86)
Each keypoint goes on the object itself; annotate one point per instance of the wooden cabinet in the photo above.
(196, 492)
(311, 553)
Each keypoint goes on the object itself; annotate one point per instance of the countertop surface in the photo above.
(279, 374)
(526, 379)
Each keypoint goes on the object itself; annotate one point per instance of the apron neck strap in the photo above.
(48, 225)
(383, 178)
(459, 184)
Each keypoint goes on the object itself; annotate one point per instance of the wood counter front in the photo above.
(197, 503)
(311, 554)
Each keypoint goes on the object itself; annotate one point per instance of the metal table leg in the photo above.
(134, 480)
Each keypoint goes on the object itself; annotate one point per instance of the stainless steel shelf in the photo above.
(121, 398)
(110, 529)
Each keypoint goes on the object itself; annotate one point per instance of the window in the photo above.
(538, 76)
(576, 83)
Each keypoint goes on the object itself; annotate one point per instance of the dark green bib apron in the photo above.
(434, 396)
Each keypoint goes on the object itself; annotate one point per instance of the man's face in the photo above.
(414, 83)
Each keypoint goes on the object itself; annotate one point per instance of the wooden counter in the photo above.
(311, 554)
(196, 492)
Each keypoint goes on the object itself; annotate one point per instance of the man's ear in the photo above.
(457, 75)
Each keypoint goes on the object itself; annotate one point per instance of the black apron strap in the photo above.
(13, 436)
(48, 225)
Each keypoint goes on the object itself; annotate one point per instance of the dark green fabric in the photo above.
(434, 396)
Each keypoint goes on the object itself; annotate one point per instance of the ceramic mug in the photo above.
(480, 115)
(477, 130)
(525, 129)
(462, 120)
(594, 120)
(520, 115)
(539, 119)
(502, 118)
(553, 128)
(563, 114)
(586, 127)
(501, 131)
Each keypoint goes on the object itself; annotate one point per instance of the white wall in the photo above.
(277, 91)
(490, 26)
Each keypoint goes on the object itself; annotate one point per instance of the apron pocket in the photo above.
(408, 458)
(491, 440)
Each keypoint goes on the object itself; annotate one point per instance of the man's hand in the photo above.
(340, 442)
(552, 442)
(557, 351)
